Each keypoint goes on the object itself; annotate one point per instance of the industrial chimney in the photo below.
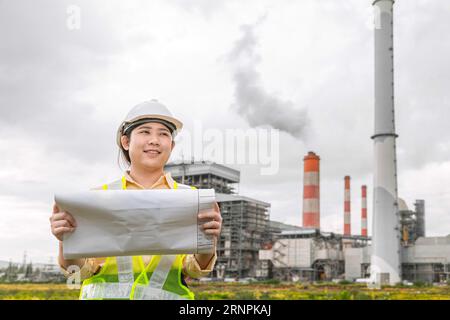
(385, 259)
(347, 220)
(420, 216)
(311, 191)
(364, 211)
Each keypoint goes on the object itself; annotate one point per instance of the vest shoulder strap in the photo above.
(120, 184)
(177, 185)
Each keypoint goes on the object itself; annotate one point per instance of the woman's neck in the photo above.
(145, 177)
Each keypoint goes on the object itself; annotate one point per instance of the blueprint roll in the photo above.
(136, 222)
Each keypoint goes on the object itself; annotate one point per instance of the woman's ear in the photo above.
(125, 142)
(173, 145)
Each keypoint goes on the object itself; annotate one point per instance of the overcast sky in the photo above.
(302, 67)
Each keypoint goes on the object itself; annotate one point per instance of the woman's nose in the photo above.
(153, 139)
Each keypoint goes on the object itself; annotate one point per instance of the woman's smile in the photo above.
(152, 153)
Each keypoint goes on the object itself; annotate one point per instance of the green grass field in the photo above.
(254, 291)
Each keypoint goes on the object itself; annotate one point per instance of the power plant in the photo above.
(251, 245)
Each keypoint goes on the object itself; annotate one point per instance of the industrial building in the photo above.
(423, 259)
(251, 245)
(310, 254)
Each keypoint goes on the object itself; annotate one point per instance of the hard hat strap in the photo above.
(128, 127)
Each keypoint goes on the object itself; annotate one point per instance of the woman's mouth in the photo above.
(156, 152)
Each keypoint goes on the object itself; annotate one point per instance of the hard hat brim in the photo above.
(177, 123)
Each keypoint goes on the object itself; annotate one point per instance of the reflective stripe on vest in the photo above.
(125, 269)
(156, 281)
(159, 275)
(106, 290)
(143, 292)
(124, 264)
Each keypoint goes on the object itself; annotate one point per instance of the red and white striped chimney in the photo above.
(364, 211)
(347, 227)
(311, 191)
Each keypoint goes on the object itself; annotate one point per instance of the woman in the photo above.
(145, 140)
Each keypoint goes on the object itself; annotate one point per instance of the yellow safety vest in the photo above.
(127, 278)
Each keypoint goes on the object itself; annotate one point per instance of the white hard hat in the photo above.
(149, 111)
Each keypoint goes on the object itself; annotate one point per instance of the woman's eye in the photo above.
(164, 133)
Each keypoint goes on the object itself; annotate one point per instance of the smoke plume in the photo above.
(252, 101)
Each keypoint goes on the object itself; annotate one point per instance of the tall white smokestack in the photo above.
(385, 259)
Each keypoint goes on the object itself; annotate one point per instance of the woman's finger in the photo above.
(215, 232)
(61, 223)
(210, 215)
(71, 219)
(211, 225)
(55, 208)
(62, 230)
(57, 216)
(64, 216)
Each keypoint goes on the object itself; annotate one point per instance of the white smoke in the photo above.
(252, 101)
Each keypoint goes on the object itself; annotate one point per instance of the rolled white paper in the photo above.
(136, 222)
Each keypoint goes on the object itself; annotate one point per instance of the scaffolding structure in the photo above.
(205, 175)
(412, 222)
(419, 206)
(426, 272)
(245, 224)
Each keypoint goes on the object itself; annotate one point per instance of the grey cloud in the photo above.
(44, 65)
(422, 69)
(205, 7)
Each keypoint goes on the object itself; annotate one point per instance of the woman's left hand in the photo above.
(215, 226)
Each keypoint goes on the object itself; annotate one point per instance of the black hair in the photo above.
(124, 155)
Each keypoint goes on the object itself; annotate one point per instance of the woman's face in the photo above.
(149, 146)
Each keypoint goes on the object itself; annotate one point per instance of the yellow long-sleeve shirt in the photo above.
(191, 268)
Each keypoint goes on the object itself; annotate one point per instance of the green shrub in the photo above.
(270, 281)
(245, 295)
(343, 295)
(420, 284)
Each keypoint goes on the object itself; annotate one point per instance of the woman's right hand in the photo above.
(61, 222)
